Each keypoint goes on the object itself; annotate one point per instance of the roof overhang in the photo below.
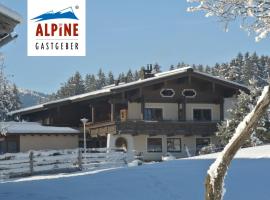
(9, 19)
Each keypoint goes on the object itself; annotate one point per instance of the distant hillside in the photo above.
(31, 98)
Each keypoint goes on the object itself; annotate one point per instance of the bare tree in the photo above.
(216, 173)
(254, 14)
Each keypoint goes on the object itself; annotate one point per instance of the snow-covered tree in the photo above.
(245, 102)
(254, 14)
(9, 98)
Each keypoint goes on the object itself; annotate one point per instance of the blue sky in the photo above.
(125, 34)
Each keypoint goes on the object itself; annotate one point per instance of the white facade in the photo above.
(170, 110)
(138, 144)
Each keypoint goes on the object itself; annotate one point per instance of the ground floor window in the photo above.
(94, 142)
(2, 147)
(12, 147)
(174, 144)
(154, 144)
(201, 142)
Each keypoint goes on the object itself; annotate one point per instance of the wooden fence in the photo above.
(59, 161)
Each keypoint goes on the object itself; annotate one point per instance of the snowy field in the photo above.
(248, 178)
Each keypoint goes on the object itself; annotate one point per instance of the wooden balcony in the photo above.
(186, 128)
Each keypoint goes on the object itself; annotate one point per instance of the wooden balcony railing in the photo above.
(186, 128)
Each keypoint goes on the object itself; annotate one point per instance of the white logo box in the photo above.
(54, 16)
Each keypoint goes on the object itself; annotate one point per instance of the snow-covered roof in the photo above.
(71, 99)
(7, 128)
(10, 13)
(113, 88)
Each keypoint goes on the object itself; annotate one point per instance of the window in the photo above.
(154, 114)
(2, 147)
(154, 144)
(201, 142)
(167, 93)
(12, 147)
(202, 115)
(173, 144)
(189, 93)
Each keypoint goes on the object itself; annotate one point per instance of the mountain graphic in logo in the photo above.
(67, 13)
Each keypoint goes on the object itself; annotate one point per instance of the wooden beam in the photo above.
(184, 109)
(213, 87)
(165, 84)
(178, 105)
(189, 79)
(112, 112)
(142, 108)
(93, 114)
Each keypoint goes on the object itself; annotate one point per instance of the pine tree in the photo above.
(90, 83)
(122, 77)
(136, 75)
(157, 68)
(129, 76)
(110, 79)
(101, 79)
(78, 84)
(171, 67)
(9, 99)
(15, 100)
(74, 86)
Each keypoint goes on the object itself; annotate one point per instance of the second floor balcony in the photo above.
(135, 127)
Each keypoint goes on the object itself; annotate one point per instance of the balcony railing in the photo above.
(134, 127)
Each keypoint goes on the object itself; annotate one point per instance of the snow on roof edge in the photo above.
(72, 98)
(222, 79)
(10, 13)
(33, 128)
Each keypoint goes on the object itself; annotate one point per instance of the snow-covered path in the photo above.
(174, 180)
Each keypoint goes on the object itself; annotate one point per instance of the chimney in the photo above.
(116, 82)
(148, 72)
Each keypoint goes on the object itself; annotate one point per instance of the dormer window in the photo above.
(167, 93)
(189, 93)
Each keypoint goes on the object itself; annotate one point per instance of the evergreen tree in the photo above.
(90, 83)
(129, 77)
(78, 84)
(171, 67)
(74, 86)
(200, 68)
(122, 77)
(208, 69)
(101, 79)
(110, 80)
(136, 75)
(9, 99)
(15, 100)
(157, 68)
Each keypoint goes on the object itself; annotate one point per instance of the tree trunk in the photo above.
(215, 176)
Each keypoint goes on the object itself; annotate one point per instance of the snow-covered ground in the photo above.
(248, 179)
